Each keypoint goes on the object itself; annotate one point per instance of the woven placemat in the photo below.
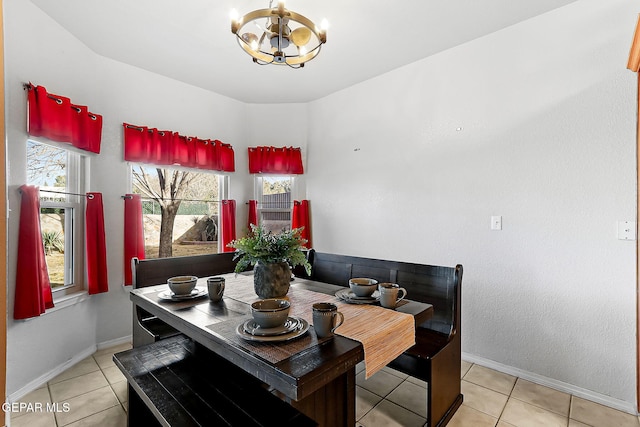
(272, 352)
(384, 333)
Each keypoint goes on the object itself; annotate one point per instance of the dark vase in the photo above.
(271, 280)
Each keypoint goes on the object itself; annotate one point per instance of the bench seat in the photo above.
(436, 356)
(176, 382)
(149, 272)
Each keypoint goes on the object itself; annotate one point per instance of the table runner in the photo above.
(361, 322)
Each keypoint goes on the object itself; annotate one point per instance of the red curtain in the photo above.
(133, 233)
(283, 160)
(33, 290)
(97, 278)
(300, 218)
(253, 214)
(228, 221)
(164, 147)
(56, 118)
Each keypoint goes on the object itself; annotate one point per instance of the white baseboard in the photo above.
(43, 379)
(583, 393)
(117, 341)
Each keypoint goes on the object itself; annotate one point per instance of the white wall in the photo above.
(38, 50)
(547, 111)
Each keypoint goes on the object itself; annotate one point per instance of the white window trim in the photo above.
(258, 186)
(78, 166)
(223, 185)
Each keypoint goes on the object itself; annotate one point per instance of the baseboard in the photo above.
(43, 379)
(583, 393)
(112, 343)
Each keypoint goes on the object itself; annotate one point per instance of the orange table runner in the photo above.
(385, 334)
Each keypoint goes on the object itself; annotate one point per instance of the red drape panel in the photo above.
(283, 160)
(300, 218)
(56, 118)
(33, 290)
(133, 233)
(97, 276)
(228, 221)
(153, 146)
(253, 214)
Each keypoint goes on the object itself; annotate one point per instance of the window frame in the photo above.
(223, 187)
(259, 194)
(76, 175)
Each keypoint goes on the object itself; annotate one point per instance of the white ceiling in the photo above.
(191, 40)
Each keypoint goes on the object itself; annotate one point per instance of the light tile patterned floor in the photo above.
(491, 399)
(96, 394)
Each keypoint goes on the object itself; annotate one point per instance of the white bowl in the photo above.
(182, 285)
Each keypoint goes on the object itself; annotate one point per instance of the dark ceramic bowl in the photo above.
(362, 286)
(182, 285)
(270, 313)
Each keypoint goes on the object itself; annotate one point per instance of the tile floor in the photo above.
(96, 394)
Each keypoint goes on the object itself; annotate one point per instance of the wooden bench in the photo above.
(176, 382)
(436, 357)
(149, 272)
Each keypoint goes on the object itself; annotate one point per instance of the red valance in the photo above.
(164, 147)
(56, 118)
(283, 160)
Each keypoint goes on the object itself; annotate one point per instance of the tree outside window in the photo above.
(180, 210)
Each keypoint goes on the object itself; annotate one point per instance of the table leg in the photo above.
(332, 405)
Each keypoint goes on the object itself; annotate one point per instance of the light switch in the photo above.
(626, 230)
(496, 222)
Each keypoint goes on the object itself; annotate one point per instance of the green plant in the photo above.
(52, 240)
(266, 247)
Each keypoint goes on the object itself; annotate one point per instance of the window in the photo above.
(60, 175)
(180, 210)
(273, 194)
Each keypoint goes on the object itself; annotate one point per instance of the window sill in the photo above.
(68, 301)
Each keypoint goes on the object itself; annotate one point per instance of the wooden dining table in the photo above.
(314, 375)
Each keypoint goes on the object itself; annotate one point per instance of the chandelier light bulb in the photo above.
(324, 25)
(233, 15)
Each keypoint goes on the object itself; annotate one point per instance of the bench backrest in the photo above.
(436, 285)
(149, 272)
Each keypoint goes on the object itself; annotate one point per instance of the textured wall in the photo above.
(535, 123)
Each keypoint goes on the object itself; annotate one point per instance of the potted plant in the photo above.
(272, 256)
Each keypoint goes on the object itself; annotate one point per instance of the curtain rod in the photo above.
(29, 86)
(272, 203)
(176, 200)
(88, 196)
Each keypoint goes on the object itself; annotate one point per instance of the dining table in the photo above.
(317, 376)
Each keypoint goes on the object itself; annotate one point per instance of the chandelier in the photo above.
(278, 36)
